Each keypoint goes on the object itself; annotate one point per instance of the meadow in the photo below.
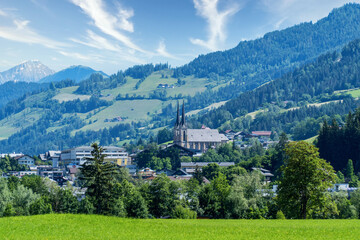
(65, 226)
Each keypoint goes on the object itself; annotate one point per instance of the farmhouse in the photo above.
(25, 160)
(262, 134)
(198, 139)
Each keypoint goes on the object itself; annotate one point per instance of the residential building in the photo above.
(78, 155)
(262, 134)
(266, 173)
(189, 167)
(230, 134)
(198, 139)
(132, 169)
(25, 160)
(53, 156)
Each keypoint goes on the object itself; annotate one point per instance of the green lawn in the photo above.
(101, 227)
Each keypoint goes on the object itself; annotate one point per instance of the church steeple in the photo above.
(183, 115)
(177, 123)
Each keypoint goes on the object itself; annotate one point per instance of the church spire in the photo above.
(177, 123)
(183, 114)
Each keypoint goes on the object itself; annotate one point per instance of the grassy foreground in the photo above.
(100, 227)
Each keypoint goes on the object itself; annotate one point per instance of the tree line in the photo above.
(233, 192)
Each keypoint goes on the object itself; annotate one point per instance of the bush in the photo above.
(280, 215)
(183, 213)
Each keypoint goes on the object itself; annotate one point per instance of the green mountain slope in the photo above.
(324, 80)
(253, 63)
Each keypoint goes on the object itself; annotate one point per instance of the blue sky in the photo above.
(111, 35)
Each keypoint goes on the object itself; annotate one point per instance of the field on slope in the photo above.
(55, 226)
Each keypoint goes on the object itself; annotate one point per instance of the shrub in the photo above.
(183, 213)
(280, 215)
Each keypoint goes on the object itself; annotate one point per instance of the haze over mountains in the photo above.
(35, 71)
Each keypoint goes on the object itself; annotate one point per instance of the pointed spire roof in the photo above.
(177, 123)
(183, 114)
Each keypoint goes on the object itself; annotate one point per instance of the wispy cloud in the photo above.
(77, 56)
(21, 32)
(99, 42)
(216, 21)
(95, 41)
(2, 13)
(108, 23)
(161, 50)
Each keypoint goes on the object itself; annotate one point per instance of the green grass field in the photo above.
(353, 92)
(100, 227)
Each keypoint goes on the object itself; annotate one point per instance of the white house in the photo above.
(25, 160)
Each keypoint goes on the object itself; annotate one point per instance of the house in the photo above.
(132, 169)
(25, 173)
(230, 134)
(147, 173)
(340, 187)
(49, 172)
(266, 173)
(53, 156)
(189, 167)
(73, 171)
(262, 134)
(25, 160)
(198, 139)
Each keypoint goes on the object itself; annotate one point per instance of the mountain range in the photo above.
(35, 71)
(76, 73)
(30, 71)
(272, 83)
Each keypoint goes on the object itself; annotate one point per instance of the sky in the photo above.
(112, 35)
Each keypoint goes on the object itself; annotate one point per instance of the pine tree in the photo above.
(99, 178)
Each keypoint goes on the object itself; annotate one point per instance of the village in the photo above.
(64, 166)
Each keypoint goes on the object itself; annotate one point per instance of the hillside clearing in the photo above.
(101, 227)
(210, 107)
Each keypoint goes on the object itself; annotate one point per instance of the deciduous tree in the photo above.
(305, 180)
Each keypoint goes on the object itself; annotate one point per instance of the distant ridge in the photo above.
(29, 71)
(76, 73)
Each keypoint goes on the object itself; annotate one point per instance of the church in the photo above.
(197, 139)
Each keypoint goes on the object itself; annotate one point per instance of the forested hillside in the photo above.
(314, 82)
(255, 62)
(13, 90)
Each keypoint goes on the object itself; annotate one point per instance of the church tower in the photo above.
(180, 129)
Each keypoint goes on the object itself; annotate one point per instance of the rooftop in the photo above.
(205, 135)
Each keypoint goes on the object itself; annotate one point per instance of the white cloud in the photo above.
(161, 50)
(108, 23)
(216, 20)
(21, 32)
(2, 13)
